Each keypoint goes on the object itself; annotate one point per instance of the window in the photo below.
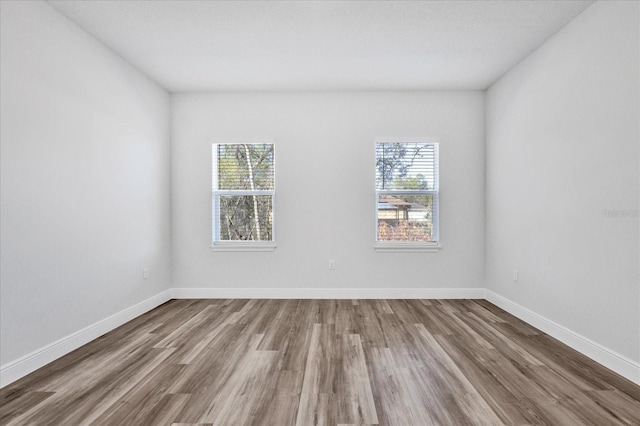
(243, 196)
(407, 195)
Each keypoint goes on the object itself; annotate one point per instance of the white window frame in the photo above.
(410, 246)
(238, 246)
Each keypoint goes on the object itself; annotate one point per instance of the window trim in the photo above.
(234, 245)
(410, 246)
(243, 246)
(406, 246)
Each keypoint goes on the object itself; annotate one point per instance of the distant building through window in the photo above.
(407, 192)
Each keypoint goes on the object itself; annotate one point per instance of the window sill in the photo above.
(406, 247)
(243, 246)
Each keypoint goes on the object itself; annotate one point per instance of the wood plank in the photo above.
(252, 388)
(354, 388)
(465, 395)
(319, 377)
(396, 393)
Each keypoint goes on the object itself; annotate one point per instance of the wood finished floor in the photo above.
(324, 362)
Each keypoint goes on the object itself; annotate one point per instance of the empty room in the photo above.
(320, 212)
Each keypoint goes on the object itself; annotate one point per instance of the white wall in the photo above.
(85, 181)
(325, 188)
(562, 146)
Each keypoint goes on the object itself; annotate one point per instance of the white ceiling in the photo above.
(322, 45)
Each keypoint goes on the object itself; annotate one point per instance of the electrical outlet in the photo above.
(145, 273)
(332, 264)
(516, 276)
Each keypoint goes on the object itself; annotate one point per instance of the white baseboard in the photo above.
(19, 368)
(602, 355)
(328, 293)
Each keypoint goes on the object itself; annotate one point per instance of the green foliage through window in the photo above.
(243, 192)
